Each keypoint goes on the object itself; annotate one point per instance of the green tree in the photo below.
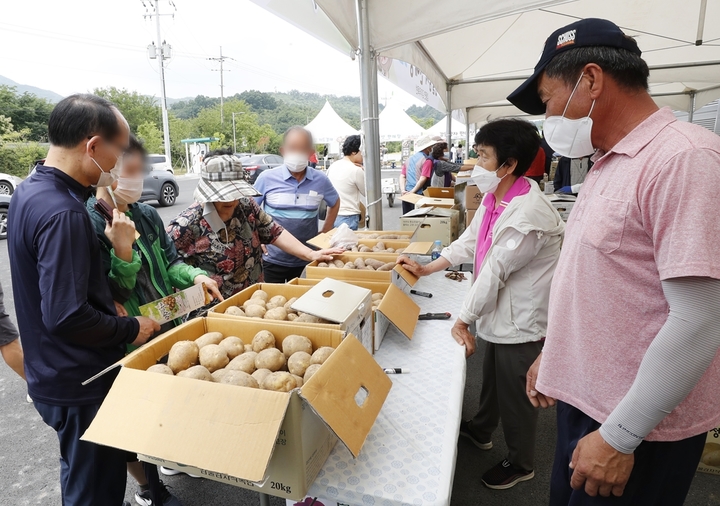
(188, 109)
(17, 157)
(179, 129)
(152, 137)
(28, 113)
(423, 122)
(137, 109)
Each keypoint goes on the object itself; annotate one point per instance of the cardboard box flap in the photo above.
(222, 428)
(418, 212)
(406, 275)
(418, 248)
(320, 241)
(440, 193)
(401, 310)
(411, 197)
(332, 300)
(347, 392)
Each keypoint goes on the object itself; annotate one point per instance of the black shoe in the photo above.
(504, 476)
(142, 497)
(465, 431)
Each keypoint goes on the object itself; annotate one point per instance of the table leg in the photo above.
(264, 500)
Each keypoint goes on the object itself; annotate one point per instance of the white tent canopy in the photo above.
(328, 126)
(458, 129)
(396, 124)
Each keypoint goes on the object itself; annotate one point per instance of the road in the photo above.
(29, 468)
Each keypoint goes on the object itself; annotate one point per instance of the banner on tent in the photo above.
(411, 79)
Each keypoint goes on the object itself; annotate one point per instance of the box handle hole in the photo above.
(328, 293)
(361, 396)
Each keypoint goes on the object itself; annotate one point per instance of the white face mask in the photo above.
(487, 181)
(570, 137)
(128, 190)
(296, 162)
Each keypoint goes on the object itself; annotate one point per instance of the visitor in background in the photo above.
(348, 177)
(443, 170)
(570, 174)
(223, 231)
(416, 172)
(459, 154)
(514, 241)
(67, 319)
(473, 153)
(631, 353)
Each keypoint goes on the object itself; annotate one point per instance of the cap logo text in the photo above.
(565, 39)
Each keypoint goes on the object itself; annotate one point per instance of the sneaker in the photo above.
(174, 472)
(142, 497)
(28, 398)
(465, 431)
(504, 476)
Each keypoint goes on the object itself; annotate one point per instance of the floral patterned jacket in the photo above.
(232, 257)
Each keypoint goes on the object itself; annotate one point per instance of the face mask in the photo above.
(108, 178)
(128, 190)
(486, 181)
(296, 162)
(570, 137)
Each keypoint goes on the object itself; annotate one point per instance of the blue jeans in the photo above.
(352, 221)
(90, 474)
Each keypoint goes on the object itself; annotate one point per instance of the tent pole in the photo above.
(369, 117)
(467, 134)
(691, 112)
(448, 126)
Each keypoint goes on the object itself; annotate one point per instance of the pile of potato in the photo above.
(261, 305)
(368, 264)
(377, 299)
(378, 248)
(381, 236)
(213, 357)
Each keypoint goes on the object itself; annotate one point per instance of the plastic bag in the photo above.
(343, 238)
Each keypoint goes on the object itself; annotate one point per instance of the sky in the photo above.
(73, 46)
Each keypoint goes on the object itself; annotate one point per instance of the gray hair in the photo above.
(298, 128)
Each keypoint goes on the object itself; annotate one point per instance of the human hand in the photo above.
(463, 337)
(411, 265)
(600, 468)
(324, 255)
(264, 249)
(537, 399)
(121, 235)
(211, 285)
(120, 309)
(148, 327)
(404, 192)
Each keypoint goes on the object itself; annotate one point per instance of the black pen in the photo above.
(421, 294)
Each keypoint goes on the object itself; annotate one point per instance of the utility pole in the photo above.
(161, 52)
(221, 59)
(234, 137)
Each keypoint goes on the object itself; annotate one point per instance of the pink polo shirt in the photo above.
(649, 211)
(492, 213)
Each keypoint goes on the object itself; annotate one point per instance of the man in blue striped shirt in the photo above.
(291, 194)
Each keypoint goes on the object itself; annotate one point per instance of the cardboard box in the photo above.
(432, 224)
(467, 195)
(322, 240)
(469, 215)
(389, 243)
(435, 202)
(399, 276)
(397, 309)
(440, 193)
(270, 442)
(564, 208)
(710, 460)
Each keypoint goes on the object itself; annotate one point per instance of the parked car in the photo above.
(4, 205)
(160, 162)
(160, 185)
(255, 164)
(8, 183)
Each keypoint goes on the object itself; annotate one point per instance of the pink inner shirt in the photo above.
(648, 211)
(485, 234)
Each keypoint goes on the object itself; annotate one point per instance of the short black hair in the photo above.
(80, 117)
(626, 68)
(515, 139)
(298, 128)
(438, 150)
(351, 145)
(136, 146)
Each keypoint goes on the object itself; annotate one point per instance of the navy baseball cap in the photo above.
(583, 33)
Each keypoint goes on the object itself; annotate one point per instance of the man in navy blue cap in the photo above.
(631, 353)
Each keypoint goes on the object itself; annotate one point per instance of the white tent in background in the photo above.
(458, 129)
(396, 124)
(328, 126)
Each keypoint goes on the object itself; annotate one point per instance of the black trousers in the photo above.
(407, 206)
(274, 273)
(661, 476)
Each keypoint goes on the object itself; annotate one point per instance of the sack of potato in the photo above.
(260, 364)
(261, 305)
(368, 264)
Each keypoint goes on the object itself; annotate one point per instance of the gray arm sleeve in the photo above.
(673, 364)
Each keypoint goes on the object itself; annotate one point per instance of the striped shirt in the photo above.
(294, 205)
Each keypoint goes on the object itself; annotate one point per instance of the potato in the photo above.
(239, 378)
(270, 305)
(209, 338)
(160, 368)
(260, 294)
(278, 313)
(262, 341)
(322, 264)
(255, 311)
(197, 372)
(288, 305)
(377, 296)
(349, 265)
(365, 249)
(294, 343)
(390, 250)
(298, 381)
(298, 362)
(279, 300)
(233, 346)
(359, 263)
(183, 355)
(260, 375)
(321, 355)
(218, 375)
(253, 302)
(235, 311)
(248, 347)
(244, 362)
(711, 458)
(213, 357)
(292, 316)
(310, 371)
(399, 250)
(271, 358)
(279, 382)
(307, 318)
(387, 267)
(339, 263)
(375, 264)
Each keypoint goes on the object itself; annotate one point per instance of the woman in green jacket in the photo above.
(147, 271)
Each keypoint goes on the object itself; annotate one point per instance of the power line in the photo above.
(221, 60)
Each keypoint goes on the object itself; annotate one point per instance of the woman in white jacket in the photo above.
(514, 244)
